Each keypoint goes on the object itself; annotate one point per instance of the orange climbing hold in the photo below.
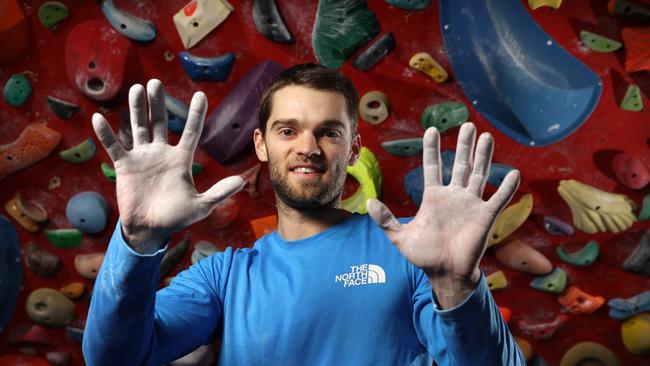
(35, 143)
(506, 313)
(14, 30)
(637, 46)
(264, 225)
(580, 302)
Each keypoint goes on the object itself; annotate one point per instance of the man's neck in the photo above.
(299, 223)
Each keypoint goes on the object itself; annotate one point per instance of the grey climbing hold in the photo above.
(375, 52)
(62, 108)
(269, 23)
(639, 260)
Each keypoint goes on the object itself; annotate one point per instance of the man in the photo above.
(328, 287)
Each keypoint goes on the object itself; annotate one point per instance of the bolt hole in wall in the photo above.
(52, 181)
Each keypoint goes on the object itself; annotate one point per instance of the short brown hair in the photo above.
(313, 76)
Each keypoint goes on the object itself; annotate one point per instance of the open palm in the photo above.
(448, 235)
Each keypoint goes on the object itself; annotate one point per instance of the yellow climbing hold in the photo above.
(636, 334)
(510, 219)
(534, 4)
(496, 280)
(424, 62)
(368, 173)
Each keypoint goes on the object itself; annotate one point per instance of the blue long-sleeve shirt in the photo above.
(345, 296)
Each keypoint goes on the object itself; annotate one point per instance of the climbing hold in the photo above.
(496, 280)
(555, 226)
(341, 27)
(62, 108)
(73, 290)
(534, 4)
(498, 173)
(506, 313)
(423, 61)
(543, 331)
(40, 261)
(264, 225)
(88, 212)
(173, 256)
(64, 238)
(17, 90)
(54, 182)
(638, 260)
(49, 307)
(51, 13)
(520, 256)
(580, 302)
(197, 169)
(76, 334)
(374, 107)
(198, 18)
(11, 273)
(109, 172)
(367, 171)
(644, 213)
(511, 219)
(14, 30)
(599, 43)
(414, 180)
(594, 210)
(630, 171)
(203, 249)
(525, 347)
(553, 282)
(175, 124)
(585, 353)
(57, 358)
(444, 116)
(628, 9)
(207, 68)
(622, 309)
(87, 265)
(632, 99)
(409, 4)
(582, 257)
(223, 214)
(130, 26)
(637, 49)
(32, 335)
(177, 112)
(31, 209)
(228, 129)
(634, 332)
(269, 23)
(403, 147)
(375, 52)
(98, 60)
(14, 211)
(250, 177)
(80, 153)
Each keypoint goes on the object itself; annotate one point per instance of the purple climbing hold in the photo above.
(555, 226)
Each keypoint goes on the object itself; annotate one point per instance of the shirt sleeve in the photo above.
(130, 323)
(471, 333)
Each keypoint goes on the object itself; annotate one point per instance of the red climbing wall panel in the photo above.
(585, 155)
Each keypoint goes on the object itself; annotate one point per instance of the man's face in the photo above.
(308, 145)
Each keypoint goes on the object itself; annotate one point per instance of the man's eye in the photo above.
(286, 132)
(332, 133)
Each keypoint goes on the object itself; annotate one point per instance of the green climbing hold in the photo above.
(599, 43)
(80, 153)
(64, 238)
(109, 172)
(368, 173)
(585, 256)
(632, 99)
(409, 4)
(341, 28)
(553, 282)
(17, 90)
(444, 116)
(403, 147)
(197, 169)
(51, 13)
(644, 214)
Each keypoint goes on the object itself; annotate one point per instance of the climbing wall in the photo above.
(547, 327)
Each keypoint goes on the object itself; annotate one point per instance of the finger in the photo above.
(157, 110)
(125, 136)
(464, 151)
(107, 138)
(194, 124)
(482, 161)
(432, 166)
(504, 194)
(138, 115)
(222, 190)
(383, 217)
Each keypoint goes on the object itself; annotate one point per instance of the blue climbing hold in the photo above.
(11, 272)
(622, 309)
(88, 212)
(130, 26)
(207, 68)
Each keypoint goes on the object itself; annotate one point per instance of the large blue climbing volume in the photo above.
(515, 74)
(10, 270)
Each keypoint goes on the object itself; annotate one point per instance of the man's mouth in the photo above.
(307, 169)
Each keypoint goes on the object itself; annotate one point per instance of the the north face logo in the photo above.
(362, 274)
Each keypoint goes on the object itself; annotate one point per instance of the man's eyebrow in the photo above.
(333, 123)
(283, 122)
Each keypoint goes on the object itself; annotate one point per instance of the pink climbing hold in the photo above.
(630, 171)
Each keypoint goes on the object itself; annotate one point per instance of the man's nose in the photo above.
(308, 145)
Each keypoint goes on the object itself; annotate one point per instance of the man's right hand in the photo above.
(155, 191)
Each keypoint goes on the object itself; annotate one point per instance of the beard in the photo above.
(309, 194)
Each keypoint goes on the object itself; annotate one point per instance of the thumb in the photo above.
(383, 217)
(222, 190)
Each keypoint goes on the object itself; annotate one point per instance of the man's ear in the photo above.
(356, 149)
(260, 145)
